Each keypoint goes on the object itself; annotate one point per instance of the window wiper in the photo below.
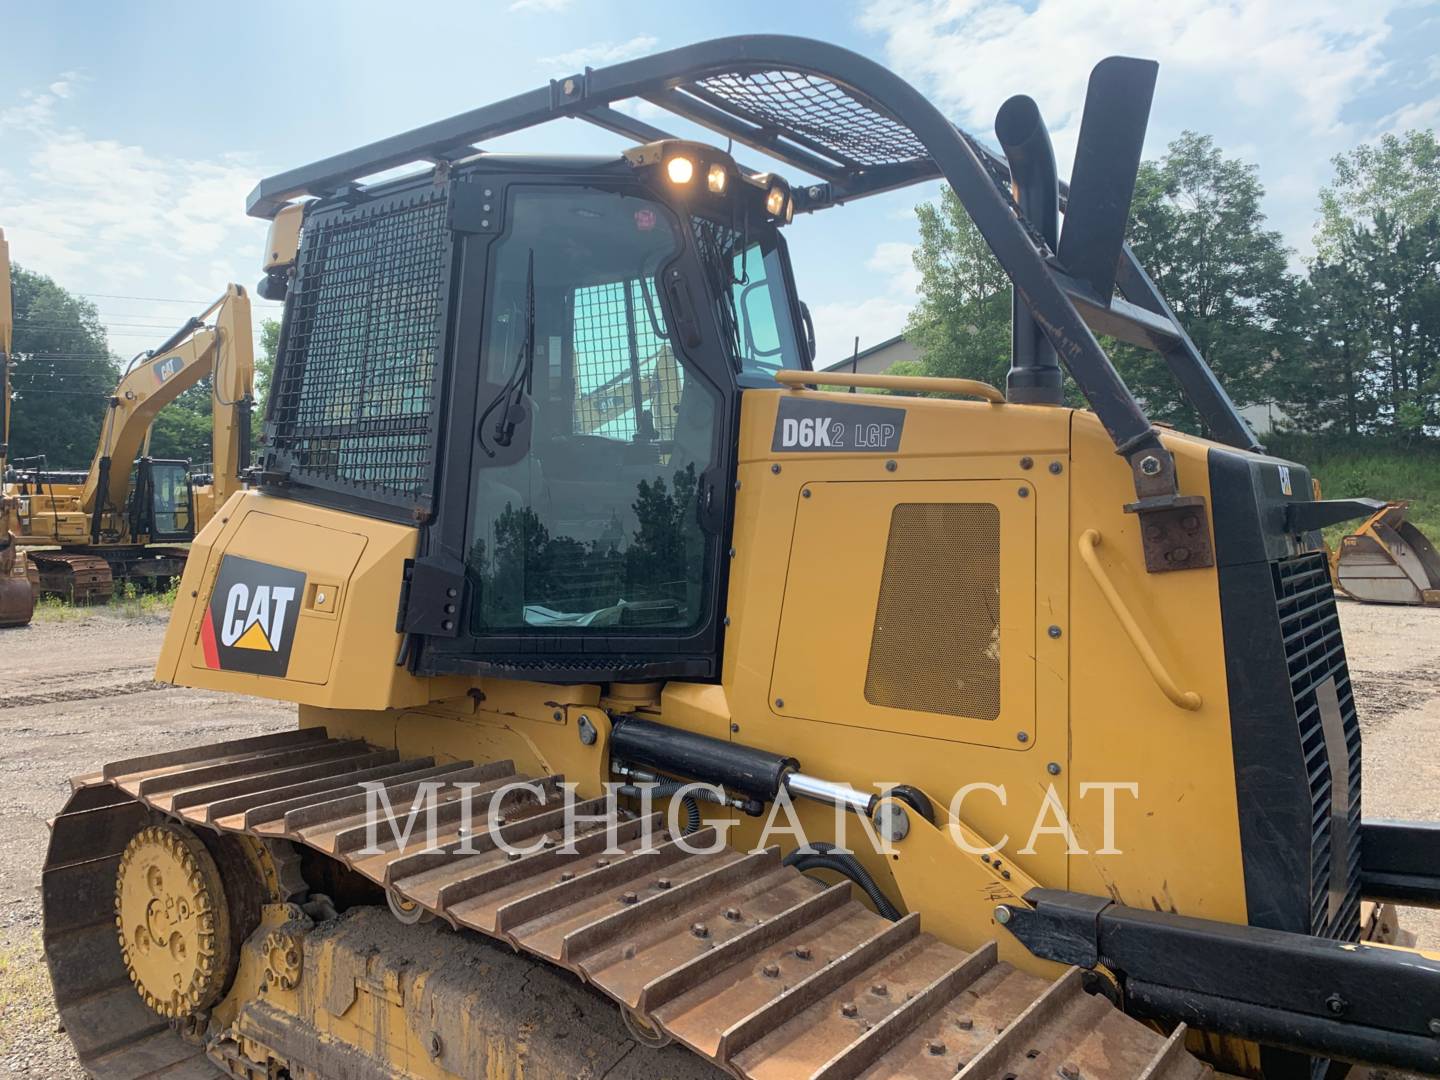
(521, 382)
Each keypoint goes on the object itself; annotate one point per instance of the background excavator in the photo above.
(85, 531)
(17, 601)
(555, 515)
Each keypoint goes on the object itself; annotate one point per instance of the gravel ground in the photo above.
(59, 717)
(78, 692)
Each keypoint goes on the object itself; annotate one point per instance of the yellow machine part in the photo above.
(1072, 673)
(17, 602)
(1387, 560)
(1068, 659)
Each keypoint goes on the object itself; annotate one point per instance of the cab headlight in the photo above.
(680, 169)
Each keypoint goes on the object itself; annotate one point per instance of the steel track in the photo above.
(751, 964)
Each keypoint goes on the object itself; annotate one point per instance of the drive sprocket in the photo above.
(173, 921)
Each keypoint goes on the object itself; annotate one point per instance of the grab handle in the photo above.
(1184, 699)
(914, 384)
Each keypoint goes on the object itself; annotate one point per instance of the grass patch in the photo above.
(1374, 468)
(127, 602)
(24, 987)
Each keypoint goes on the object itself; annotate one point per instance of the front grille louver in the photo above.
(1315, 653)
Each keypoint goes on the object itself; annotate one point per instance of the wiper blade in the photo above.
(521, 382)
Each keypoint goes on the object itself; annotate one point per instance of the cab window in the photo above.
(585, 516)
(752, 304)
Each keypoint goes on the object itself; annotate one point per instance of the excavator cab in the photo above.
(162, 505)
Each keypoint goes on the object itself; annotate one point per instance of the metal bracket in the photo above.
(1066, 931)
(430, 595)
(1174, 532)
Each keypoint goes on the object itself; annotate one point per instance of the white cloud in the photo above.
(838, 324)
(1280, 76)
(602, 52)
(877, 319)
(895, 261)
(102, 216)
(34, 112)
(64, 86)
(1310, 58)
(540, 6)
(1415, 116)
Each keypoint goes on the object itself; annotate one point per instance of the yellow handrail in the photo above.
(1184, 699)
(913, 383)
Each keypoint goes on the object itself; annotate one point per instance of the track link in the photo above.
(754, 966)
(81, 579)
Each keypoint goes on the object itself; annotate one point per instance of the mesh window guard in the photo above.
(835, 121)
(355, 388)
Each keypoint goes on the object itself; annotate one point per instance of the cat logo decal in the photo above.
(250, 625)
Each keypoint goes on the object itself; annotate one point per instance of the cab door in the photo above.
(587, 493)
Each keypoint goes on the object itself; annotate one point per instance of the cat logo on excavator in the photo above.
(250, 624)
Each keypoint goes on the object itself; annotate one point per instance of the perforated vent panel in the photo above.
(936, 643)
(355, 389)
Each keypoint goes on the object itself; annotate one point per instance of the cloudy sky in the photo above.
(130, 134)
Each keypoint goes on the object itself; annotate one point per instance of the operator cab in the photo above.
(602, 440)
(589, 324)
(162, 501)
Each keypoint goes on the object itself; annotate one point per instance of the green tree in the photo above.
(961, 326)
(265, 366)
(1196, 225)
(1327, 384)
(183, 428)
(1379, 232)
(63, 373)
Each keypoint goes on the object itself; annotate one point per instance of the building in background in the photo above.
(877, 359)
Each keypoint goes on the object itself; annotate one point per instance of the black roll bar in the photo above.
(860, 129)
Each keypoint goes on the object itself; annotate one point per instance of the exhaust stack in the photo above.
(1034, 377)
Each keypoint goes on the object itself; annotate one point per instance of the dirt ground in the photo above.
(104, 706)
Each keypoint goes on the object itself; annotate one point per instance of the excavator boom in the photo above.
(108, 521)
(224, 349)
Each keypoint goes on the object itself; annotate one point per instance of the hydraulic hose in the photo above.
(667, 790)
(845, 864)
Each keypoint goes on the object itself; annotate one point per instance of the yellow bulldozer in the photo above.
(666, 711)
(128, 517)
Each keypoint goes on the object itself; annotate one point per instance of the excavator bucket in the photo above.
(17, 599)
(1389, 561)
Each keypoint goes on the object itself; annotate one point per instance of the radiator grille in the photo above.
(1315, 653)
(355, 396)
(936, 642)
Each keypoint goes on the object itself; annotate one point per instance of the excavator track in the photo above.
(81, 579)
(754, 966)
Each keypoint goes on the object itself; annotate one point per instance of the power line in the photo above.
(173, 300)
(23, 394)
(62, 324)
